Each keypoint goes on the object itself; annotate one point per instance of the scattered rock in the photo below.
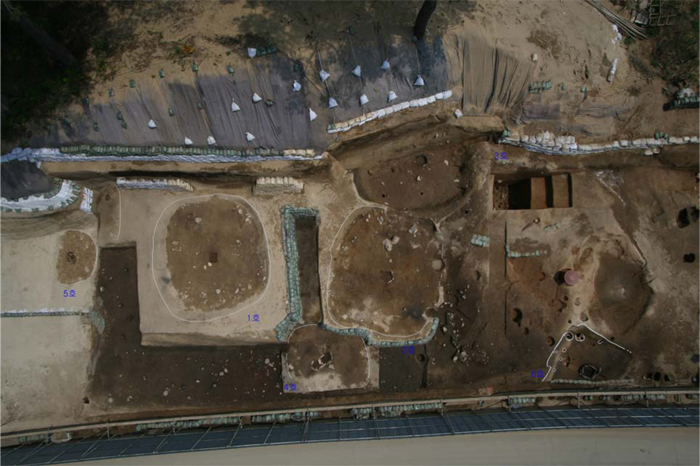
(437, 264)
(387, 245)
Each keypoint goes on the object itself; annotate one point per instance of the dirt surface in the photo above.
(217, 254)
(623, 294)
(428, 180)
(130, 376)
(500, 316)
(319, 360)
(76, 258)
(386, 270)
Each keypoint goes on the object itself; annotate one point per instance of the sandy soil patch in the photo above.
(76, 257)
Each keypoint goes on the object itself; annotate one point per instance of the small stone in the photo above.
(387, 245)
(166, 392)
(218, 291)
(534, 57)
(394, 239)
(436, 264)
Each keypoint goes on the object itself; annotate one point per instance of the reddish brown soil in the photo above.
(385, 290)
(431, 179)
(216, 254)
(622, 294)
(314, 350)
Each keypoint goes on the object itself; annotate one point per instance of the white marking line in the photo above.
(328, 284)
(120, 213)
(554, 351)
(369, 359)
(153, 247)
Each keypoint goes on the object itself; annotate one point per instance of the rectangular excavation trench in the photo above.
(309, 283)
(535, 192)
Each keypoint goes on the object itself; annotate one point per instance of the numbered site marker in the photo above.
(290, 387)
(69, 293)
(253, 318)
(539, 374)
(408, 350)
(500, 156)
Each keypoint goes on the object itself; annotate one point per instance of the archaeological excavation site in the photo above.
(289, 222)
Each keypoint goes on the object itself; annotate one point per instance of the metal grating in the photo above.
(421, 425)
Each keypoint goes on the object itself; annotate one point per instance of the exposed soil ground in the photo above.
(76, 258)
(217, 254)
(499, 318)
(608, 360)
(428, 180)
(386, 270)
(319, 360)
(622, 293)
(128, 374)
(623, 230)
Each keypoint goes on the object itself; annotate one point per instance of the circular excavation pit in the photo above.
(76, 257)
(216, 256)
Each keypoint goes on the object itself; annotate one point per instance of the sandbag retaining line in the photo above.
(58, 198)
(290, 213)
(550, 144)
(88, 153)
(381, 113)
(167, 184)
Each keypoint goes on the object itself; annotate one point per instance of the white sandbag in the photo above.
(188, 141)
(458, 113)
(324, 75)
(357, 71)
(363, 99)
(249, 136)
(385, 65)
(151, 124)
(211, 141)
(419, 81)
(296, 86)
(392, 96)
(256, 97)
(312, 115)
(332, 103)
(235, 107)
(252, 52)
